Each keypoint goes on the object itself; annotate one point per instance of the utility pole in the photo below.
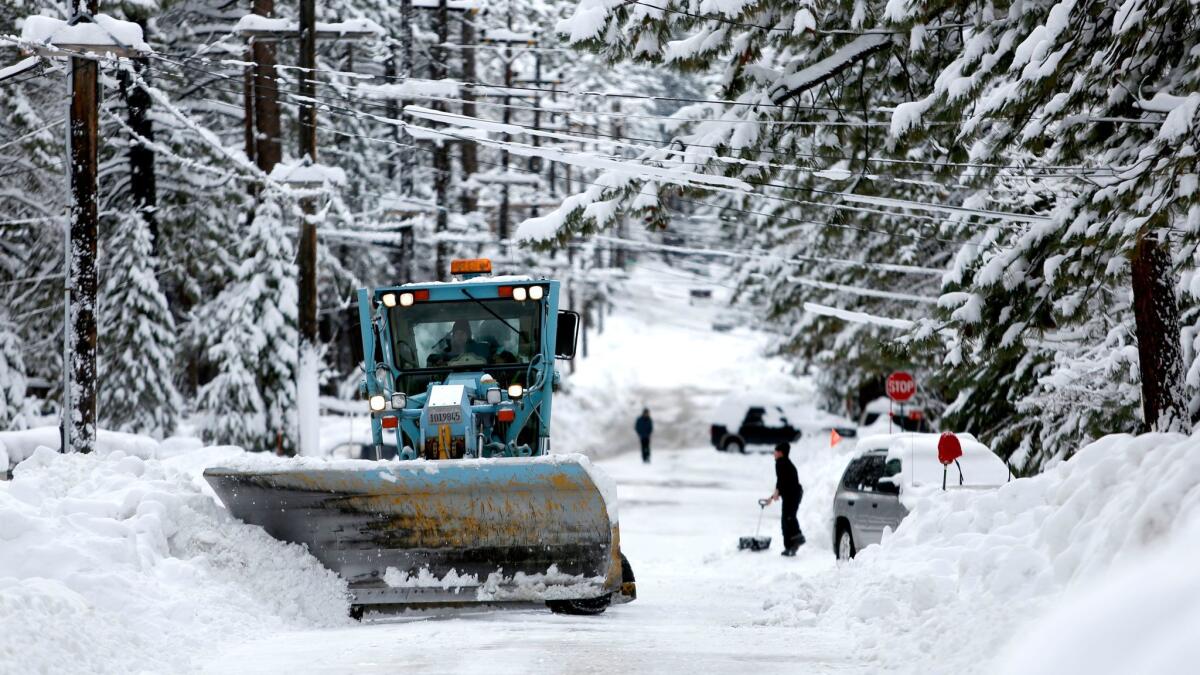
(266, 97)
(407, 240)
(251, 146)
(441, 152)
(502, 224)
(618, 130)
(470, 156)
(551, 166)
(79, 411)
(306, 255)
(535, 163)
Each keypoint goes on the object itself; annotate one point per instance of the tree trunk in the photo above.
(1156, 315)
(142, 181)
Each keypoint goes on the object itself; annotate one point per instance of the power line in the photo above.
(334, 109)
(370, 102)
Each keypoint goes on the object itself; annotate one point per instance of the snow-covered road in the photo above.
(699, 603)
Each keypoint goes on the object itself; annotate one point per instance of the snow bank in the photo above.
(967, 568)
(19, 445)
(113, 563)
(1142, 618)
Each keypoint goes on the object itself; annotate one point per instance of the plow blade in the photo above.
(437, 532)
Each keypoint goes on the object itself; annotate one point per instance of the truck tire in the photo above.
(581, 607)
(734, 445)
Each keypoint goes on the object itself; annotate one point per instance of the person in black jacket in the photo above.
(644, 426)
(787, 488)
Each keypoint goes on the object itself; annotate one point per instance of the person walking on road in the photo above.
(787, 488)
(644, 426)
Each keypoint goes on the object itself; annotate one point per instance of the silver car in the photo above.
(863, 504)
(867, 500)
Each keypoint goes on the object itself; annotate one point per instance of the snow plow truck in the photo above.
(475, 508)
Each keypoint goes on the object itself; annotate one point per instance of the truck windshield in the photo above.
(465, 335)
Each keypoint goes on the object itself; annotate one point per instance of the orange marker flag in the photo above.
(834, 438)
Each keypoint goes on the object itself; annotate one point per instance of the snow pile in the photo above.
(1142, 618)
(112, 563)
(967, 568)
(18, 445)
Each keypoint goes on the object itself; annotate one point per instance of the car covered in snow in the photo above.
(875, 417)
(744, 422)
(867, 500)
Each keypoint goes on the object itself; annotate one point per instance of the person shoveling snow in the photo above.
(787, 488)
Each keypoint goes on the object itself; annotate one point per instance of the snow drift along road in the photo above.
(113, 563)
(966, 570)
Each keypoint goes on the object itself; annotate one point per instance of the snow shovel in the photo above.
(756, 543)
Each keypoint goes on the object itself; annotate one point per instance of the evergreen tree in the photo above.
(1048, 149)
(137, 353)
(12, 377)
(251, 401)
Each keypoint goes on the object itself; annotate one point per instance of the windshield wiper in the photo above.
(489, 311)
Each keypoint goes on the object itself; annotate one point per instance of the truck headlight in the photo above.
(515, 391)
(493, 395)
(536, 292)
(378, 403)
(519, 294)
(399, 400)
(389, 300)
(406, 299)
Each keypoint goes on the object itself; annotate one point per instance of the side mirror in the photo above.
(888, 485)
(567, 335)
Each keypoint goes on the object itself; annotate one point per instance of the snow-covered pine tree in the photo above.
(981, 96)
(802, 127)
(12, 377)
(137, 364)
(253, 322)
(1105, 94)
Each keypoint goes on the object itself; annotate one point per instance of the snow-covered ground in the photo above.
(118, 563)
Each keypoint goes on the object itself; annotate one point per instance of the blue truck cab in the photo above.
(464, 368)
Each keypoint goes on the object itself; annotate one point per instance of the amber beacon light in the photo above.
(471, 266)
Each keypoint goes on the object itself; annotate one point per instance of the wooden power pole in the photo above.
(79, 414)
(306, 255)
(441, 153)
(266, 97)
(470, 155)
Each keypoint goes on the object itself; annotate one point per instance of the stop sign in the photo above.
(901, 386)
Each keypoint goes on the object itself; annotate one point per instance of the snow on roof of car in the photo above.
(730, 412)
(919, 459)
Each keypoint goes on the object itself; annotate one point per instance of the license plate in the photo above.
(445, 415)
